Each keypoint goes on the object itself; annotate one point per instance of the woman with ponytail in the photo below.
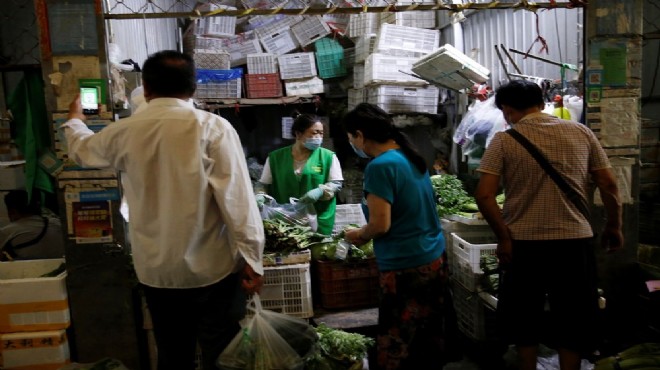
(415, 306)
(304, 170)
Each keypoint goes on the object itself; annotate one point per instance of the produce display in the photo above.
(338, 350)
(283, 238)
(452, 199)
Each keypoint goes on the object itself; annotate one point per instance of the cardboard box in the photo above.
(12, 175)
(40, 350)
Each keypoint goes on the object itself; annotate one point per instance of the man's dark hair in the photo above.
(170, 73)
(17, 200)
(519, 95)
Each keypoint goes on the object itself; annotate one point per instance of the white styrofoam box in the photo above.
(355, 97)
(240, 46)
(12, 175)
(215, 26)
(404, 99)
(288, 289)
(364, 46)
(419, 19)
(348, 214)
(307, 86)
(380, 68)
(42, 350)
(211, 59)
(29, 302)
(451, 68)
(411, 39)
(261, 63)
(358, 76)
(363, 24)
(297, 65)
(283, 23)
(311, 28)
(219, 90)
(279, 42)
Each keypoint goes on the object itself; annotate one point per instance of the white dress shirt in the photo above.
(193, 215)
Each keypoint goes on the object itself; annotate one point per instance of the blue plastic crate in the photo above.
(329, 58)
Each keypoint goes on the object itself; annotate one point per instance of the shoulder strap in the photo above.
(571, 194)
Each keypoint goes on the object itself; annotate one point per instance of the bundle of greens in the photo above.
(283, 238)
(452, 199)
(339, 350)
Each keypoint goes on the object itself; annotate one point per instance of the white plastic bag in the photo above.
(269, 341)
(294, 212)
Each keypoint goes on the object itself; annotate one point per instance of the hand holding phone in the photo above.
(89, 99)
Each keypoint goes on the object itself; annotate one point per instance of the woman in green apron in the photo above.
(304, 170)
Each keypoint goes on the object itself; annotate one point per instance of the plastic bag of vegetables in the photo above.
(294, 212)
(269, 340)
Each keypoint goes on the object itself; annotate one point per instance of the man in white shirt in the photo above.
(30, 234)
(196, 233)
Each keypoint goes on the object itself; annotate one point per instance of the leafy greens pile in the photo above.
(338, 349)
(452, 199)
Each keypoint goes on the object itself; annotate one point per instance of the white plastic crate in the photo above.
(279, 42)
(240, 46)
(348, 214)
(294, 258)
(192, 42)
(349, 57)
(219, 90)
(451, 68)
(451, 226)
(410, 39)
(363, 24)
(337, 22)
(364, 46)
(358, 76)
(297, 65)
(214, 26)
(306, 86)
(355, 97)
(262, 63)
(419, 19)
(282, 23)
(311, 28)
(44, 350)
(469, 313)
(288, 289)
(465, 267)
(379, 69)
(29, 302)
(211, 59)
(403, 99)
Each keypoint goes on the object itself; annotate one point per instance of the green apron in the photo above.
(315, 172)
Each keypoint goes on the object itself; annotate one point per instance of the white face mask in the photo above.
(313, 143)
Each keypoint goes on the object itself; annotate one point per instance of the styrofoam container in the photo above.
(38, 350)
(12, 177)
(379, 68)
(288, 289)
(29, 302)
(308, 86)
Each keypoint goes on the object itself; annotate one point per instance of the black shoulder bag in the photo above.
(571, 194)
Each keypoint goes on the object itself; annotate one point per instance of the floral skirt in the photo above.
(415, 318)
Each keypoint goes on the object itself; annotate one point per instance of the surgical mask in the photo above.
(313, 143)
(359, 152)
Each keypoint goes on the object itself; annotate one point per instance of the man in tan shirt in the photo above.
(544, 241)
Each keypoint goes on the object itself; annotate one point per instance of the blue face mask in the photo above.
(359, 152)
(313, 143)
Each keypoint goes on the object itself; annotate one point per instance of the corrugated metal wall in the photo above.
(138, 38)
(561, 28)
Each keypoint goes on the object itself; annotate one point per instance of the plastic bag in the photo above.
(479, 125)
(269, 341)
(294, 213)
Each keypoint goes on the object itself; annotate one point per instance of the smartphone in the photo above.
(89, 98)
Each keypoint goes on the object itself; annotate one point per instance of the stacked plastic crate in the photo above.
(34, 315)
(262, 80)
(215, 79)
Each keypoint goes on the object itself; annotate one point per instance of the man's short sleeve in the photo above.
(493, 159)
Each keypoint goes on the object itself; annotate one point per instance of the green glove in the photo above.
(261, 199)
(312, 196)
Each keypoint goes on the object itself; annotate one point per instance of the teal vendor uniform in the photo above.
(287, 184)
(415, 235)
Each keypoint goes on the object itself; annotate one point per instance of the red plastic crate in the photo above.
(347, 284)
(263, 85)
